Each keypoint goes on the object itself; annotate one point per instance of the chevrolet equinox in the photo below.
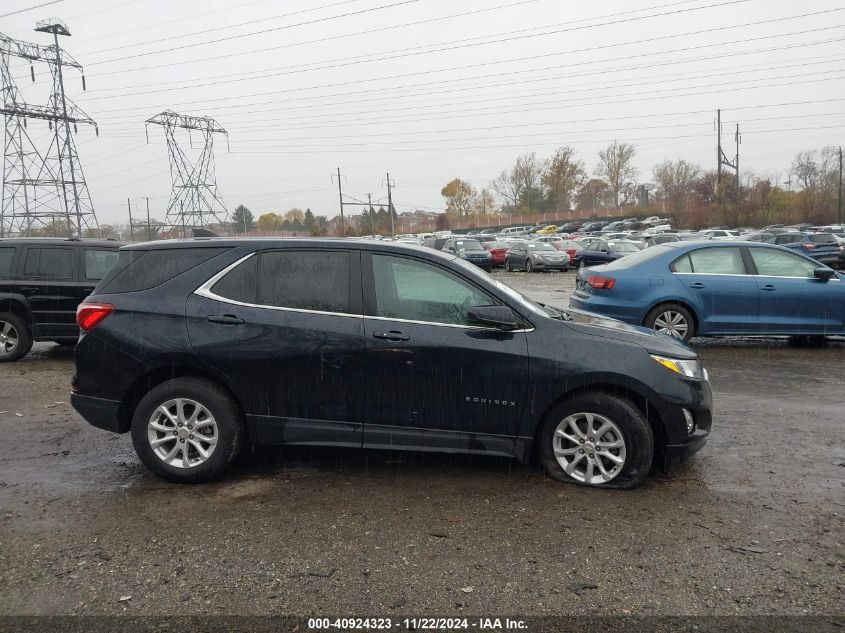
(199, 347)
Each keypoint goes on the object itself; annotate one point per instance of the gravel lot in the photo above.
(753, 525)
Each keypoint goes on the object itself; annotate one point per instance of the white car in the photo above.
(721, 234)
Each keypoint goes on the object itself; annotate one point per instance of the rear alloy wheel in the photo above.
(186, 430)
(528, 266)
(672, 319)
(15, 341)
(508, 265)
(598, 440)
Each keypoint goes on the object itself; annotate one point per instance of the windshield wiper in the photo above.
(557, 313)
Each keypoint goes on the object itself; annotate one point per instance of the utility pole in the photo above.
(149, 232)
(722, 159)
(390, 206)
(373, 221)
(131, 225)
(340, 197)
(839, 203)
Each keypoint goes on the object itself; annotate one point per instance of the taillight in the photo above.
(601, 283)
(88, 315)
(808, 245)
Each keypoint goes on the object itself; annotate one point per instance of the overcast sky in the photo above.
(431, 90)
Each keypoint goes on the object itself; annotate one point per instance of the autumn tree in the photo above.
(270, 222)
(562, 178)
(460, 196)
(617, 169)
(308, 221)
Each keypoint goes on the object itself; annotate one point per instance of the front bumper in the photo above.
(99, 412)
(543, 265)
(675, 454)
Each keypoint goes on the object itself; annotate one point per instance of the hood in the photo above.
(604, 327)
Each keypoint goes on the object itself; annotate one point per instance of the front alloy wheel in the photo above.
(589, 447)
(596, 439)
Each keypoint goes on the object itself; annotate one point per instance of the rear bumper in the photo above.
(98, 412)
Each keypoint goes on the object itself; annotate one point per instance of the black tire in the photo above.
(528, 267)
(656, 311)
(221, 406)
(21, 333)
(636, 431)
(581, 264)
(508, 266)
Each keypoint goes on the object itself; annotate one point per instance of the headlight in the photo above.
(688, 368)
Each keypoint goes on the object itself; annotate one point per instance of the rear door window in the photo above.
(49, 263)
(304, 280)
(7, 259)
(717, 261)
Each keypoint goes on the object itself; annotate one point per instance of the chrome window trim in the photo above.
(205, 291)
(716, 274)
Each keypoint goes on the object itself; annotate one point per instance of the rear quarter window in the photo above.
(823, 238)
(142, 270)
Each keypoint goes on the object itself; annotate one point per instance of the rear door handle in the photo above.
(225, 319)
(768, 288)
(697, 285)
(392, 335)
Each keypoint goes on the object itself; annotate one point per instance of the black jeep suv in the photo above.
(42, 281)
(200, 346)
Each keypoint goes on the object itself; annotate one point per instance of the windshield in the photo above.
(541, 246)
(823, 238)
(623, 247)
(469, 245)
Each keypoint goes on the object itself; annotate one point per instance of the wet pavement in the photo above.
(752, 525)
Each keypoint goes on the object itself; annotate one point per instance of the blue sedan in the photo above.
(687, 289)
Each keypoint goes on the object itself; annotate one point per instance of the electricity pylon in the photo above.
(195, 201)
(49, 188)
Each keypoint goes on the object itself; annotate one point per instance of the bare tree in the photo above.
(484, 203)
(675, 184)
(523, 176)
(562, 177)
(817, 172)
(616, 168)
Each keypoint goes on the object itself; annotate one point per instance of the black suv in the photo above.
(42, 281)
(200, 346)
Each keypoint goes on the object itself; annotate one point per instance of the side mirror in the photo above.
(825, 274)
(604, 250)
(500, 317)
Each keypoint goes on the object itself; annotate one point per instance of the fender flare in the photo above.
(8, 298)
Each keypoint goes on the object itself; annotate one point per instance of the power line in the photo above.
(519, 72)
(656, 79)
(371, 31)
(32, 8)
(276, 17)
(270, 30)
(296, 69)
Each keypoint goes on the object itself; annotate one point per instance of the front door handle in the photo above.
(225, 319)
(392, 335)
(768, 288)
(697, 285)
